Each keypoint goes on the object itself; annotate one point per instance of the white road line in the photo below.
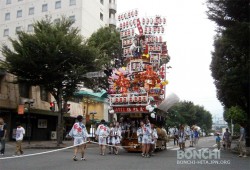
(214, 145)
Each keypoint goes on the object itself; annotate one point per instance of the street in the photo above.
(128, 161)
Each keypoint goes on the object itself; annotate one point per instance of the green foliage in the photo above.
(230, 64)
(236, 114)
(107, 41)
(108, 45)
(185, 112)
(54, 56)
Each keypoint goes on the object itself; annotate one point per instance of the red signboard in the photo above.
(136, 109)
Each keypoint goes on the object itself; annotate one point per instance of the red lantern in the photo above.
(129, 14)
(162, 30)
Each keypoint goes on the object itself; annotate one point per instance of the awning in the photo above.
(168, 102)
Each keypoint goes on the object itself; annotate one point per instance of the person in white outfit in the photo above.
(20, 132)
(80, 134)
(117, 137)
(182, 138)
(102, 133)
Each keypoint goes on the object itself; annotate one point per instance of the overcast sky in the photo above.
(189, 35)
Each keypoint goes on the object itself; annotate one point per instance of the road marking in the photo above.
(214, 145)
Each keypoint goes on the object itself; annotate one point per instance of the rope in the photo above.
(56, 150)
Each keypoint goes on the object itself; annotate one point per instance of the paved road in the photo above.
(124, 161)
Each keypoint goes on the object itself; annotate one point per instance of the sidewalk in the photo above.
(45, 144)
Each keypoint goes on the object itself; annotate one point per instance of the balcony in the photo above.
(112, 7)
(112, 21)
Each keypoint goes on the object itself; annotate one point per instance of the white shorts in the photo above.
(102, 140)
(146, 139)
(115, 140)
(78, 141)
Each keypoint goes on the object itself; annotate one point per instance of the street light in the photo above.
(92, 128)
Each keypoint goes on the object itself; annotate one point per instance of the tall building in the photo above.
(17, 15)
(89, 15)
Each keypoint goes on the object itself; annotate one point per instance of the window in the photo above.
(8, 2)
(31, 10)
(101, 16)
(58, 4)
(43, 94)
(72, 2)
(44, 7)
(72, 18)
(19, 13)
(101, 1)
(6, 32)
(18, 29)
(23, 90)
(30, 28)
(7, 16)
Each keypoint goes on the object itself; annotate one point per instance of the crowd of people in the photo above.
(180, 136)
(110, 136)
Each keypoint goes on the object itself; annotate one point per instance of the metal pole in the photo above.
(29, 128)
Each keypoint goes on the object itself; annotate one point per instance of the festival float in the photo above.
(138, 88)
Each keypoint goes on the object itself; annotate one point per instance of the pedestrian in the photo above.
(218, 139)
(146, 138)
(182, 138)
(3, 133)
(242, 142)
(80, 134)
(196, 136)
(101, 135)
(191, 137)
(20, 132)
(175, 132)
(227, 139)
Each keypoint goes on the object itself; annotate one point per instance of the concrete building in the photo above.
(16, 15)
(89, 15)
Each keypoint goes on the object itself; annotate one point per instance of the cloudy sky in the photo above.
(189, 35)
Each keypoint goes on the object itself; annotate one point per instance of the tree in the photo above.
(236, 114)
(185, 112)
(54, 56)
(107, 42)
(230, 64)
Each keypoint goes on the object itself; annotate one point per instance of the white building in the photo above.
(89, 15)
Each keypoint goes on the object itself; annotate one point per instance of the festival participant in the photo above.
(80, 134)
(117, 137)
(154, 139)
(191, 137)
(101, 135)
(182, 138)
(110, 137)
(146, 139)
(140, 135)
